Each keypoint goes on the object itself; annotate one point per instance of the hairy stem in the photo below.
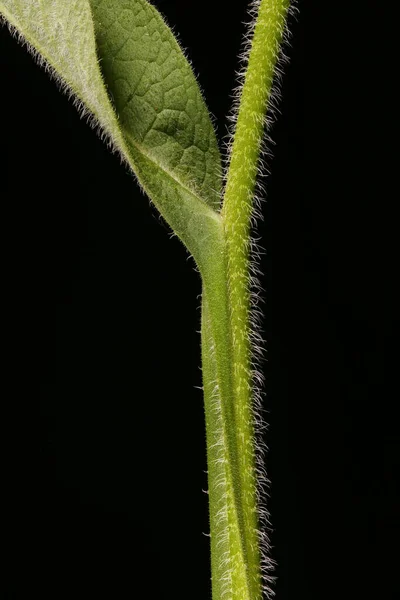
(234, 510)
(187, 194)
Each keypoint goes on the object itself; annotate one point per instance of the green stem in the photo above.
(226, 348)
(228, 536)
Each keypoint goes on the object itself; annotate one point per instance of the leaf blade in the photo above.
(177, 150)
(68, 46)
(156, 96)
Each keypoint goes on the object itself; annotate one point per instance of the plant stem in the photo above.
(226, 346)
(230, 576)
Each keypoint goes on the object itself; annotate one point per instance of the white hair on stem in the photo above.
(257, 342)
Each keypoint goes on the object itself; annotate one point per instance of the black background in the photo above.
(105, 456)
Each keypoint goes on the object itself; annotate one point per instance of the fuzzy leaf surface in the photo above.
(145, 97)
(161, 111)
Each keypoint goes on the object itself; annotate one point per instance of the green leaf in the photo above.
(161, 110)
(62, 34)
(156, 118)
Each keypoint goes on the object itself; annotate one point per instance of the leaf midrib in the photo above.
(169, 173)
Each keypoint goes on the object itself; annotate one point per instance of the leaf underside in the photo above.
(145, 98)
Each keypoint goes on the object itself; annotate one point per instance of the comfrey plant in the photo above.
(124, 69)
